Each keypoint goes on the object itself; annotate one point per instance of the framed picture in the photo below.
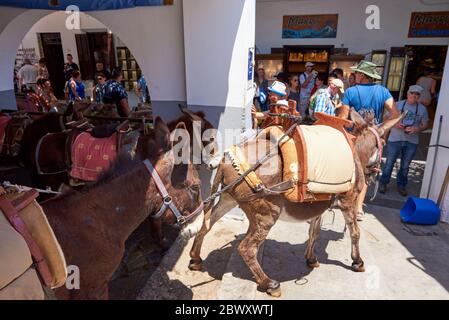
(429, 25)
(310, 26)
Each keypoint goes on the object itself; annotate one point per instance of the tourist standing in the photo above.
(42, 71)
(366, 97)
(262, 88)
(294, 93)
(142, 91)
(27, 76)
(69, 67)
(100, 68)
(115, 94)
(98, 91)
(327, 100)
(352, 81)
(76, 87)
(307, 81)
(47, 98)
(429, 87)
(404, 139)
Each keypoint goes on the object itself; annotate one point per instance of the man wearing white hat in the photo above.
(404, 139)
(327, 100)
(277, 92)
(307, 82)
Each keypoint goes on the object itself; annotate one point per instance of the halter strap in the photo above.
(168, 201)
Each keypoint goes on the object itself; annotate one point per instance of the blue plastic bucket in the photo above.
(420, 211)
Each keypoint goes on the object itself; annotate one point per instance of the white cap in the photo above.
(309, 64)
(339, 84)
(283, 103)
(278, 88)
(415, 88)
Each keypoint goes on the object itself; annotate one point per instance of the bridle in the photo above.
(375, 168)
(168, 201)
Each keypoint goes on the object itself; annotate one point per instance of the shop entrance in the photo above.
(94, 47)
(425, 60)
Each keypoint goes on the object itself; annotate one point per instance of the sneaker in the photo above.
(402, 191)
(382, 187)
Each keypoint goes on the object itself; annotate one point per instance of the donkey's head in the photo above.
(369, 143)
(181, 203)
(202, 133)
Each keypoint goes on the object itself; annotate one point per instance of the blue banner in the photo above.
(84, 5)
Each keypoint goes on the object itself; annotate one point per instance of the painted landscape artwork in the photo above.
(310, 26)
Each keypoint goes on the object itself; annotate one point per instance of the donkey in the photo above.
(263, 212)
(93, 224)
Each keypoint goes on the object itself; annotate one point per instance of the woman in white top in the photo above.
(429, 87)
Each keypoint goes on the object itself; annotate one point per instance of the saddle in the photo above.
(11, 133)
(30, 253)
(310, 156)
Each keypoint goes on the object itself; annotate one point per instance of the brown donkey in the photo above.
(92, 225)
(263, 213)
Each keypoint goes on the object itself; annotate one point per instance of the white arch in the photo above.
(153, 34)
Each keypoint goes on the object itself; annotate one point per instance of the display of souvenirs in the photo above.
(133, 65)
(124, 65)
(134, 76)
(316, 56)
(296, 57)
(125, 75)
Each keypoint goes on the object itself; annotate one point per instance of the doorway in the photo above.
(95, 47)
(420, 59)
(54, 56)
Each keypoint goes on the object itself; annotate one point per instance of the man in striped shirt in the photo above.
(327, 100)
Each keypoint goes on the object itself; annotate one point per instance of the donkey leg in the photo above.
(314, 231)
(260, 226)
(223, 206)
(351, 221)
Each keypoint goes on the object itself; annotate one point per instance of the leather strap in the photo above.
(168, 201)
(18, 224)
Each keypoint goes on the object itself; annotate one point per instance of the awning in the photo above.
(84, 5)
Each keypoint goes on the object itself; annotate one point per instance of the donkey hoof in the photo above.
(272, 287)
(313, 263)
(195, 264)
(358, 266)
(275, 292)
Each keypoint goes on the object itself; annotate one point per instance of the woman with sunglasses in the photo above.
(98, 90)
(404, 139)
(295, 93)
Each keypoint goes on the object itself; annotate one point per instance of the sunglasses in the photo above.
(415, 93)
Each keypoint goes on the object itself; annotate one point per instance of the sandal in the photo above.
(360, 215)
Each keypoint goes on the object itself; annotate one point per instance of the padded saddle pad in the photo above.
(330, 161)
(15, 257)
(42, 233)
(92, 156)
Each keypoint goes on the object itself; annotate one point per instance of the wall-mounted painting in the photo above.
(429, 24)
(310, 26)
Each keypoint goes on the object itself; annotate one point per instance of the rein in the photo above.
(168, 201)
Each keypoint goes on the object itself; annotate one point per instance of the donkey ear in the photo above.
(387, 125)
(185, 134)
(162, 134)
(357, 118)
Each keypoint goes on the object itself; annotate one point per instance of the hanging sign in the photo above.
(310, 26)
(429, 25)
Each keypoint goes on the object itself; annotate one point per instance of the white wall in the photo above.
(442, 160)
(53, 23)
(352, 33)
(217, 37)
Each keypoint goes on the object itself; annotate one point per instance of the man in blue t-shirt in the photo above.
(366, 96)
